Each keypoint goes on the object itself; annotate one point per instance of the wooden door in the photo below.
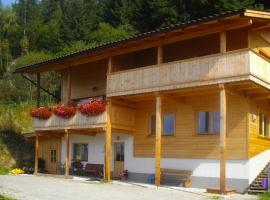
(119, 157)
(51, 153)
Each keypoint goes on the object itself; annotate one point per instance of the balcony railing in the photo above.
(78, 121)
(206, 70)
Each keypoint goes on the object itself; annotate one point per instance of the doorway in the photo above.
(119, 158)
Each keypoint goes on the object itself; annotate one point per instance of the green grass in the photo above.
(216, 198)
(265, 196)
(5, 198)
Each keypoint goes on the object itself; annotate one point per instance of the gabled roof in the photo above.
(138, 37)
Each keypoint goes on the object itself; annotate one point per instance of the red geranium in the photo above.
(64, 111)
(93, 107)
(41, 112)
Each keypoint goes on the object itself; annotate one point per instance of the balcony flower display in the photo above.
(41, 112)
(64, 111)
(92, 107)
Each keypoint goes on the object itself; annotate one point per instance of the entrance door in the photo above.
(51, 153)
(119, 156)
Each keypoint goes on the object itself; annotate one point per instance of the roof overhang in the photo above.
(202, 26)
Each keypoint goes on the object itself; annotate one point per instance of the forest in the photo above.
(36, 30)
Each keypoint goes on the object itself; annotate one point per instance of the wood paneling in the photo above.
(186, 143)
(257, 144)
(46, 144)
(218, 68)
(84, 79)
(259, 43)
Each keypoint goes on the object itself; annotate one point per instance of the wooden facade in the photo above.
(218, 65)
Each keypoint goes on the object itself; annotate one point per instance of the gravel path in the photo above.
(48, 188)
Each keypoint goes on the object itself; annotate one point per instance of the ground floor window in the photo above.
(53, 155)
(208, 122)
(264, 125)
(167, 122)
(80, 152)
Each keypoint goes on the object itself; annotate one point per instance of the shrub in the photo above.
(4, 170)
(17, 171)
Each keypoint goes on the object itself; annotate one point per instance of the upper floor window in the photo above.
(80, 152)
(208, 122)
(168, 124)
(264, 125)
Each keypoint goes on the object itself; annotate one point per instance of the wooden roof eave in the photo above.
(194, 30)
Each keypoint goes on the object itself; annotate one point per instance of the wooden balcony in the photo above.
(213, 69)
(122, 119)
(78, 121)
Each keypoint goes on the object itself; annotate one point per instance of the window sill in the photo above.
(263, 137)
(202, 134)
(153, 136)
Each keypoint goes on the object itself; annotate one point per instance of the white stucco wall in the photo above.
(236, 169)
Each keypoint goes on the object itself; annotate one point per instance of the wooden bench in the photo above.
(177, 176)
(94, 169)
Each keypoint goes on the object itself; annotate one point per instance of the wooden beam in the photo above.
(107, 173)
(36, 154)
(223, 116)
(223, 41)
(110, 65)
(158, 139)
(159, 55)
(67, 151)
(68, 85)
(38, 89)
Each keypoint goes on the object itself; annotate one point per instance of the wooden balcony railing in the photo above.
(76, 122)
(218, 68)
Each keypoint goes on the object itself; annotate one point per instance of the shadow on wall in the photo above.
(21, 150)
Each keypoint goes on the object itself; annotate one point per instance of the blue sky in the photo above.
(7, 2)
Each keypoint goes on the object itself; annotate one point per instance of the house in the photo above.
(192, 96)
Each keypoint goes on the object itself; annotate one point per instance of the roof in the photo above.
(136, 37)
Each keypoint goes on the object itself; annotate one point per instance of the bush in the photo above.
(265, 196)
(4, 170)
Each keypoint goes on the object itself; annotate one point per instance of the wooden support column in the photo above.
(38, 89)
(160, 55)
(223, 41)
(110, 65)
(223, 112)
(36, 154)
(108, 142)
(67, 152)
(158, 139)
(68, 85)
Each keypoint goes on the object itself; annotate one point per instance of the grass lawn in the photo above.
(5, 198)
(265, 196)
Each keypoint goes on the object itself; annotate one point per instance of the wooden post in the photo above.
(160, 55)
(223, 41)
(38, 89)
(110, 65)
(67, 152)
(108, 142)
(158, 138)
(36, 154)
(68, 85)
(223, 111)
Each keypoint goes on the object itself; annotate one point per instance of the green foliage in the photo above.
(5, 198)
(4, 170)
(265, 196)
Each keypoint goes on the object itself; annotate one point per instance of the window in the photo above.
(119, 152)
(209, 122)
(168, 124)
(53, 156)
(80, 152)
(264, 125)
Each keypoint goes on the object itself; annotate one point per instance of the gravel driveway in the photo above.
(43, 188)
